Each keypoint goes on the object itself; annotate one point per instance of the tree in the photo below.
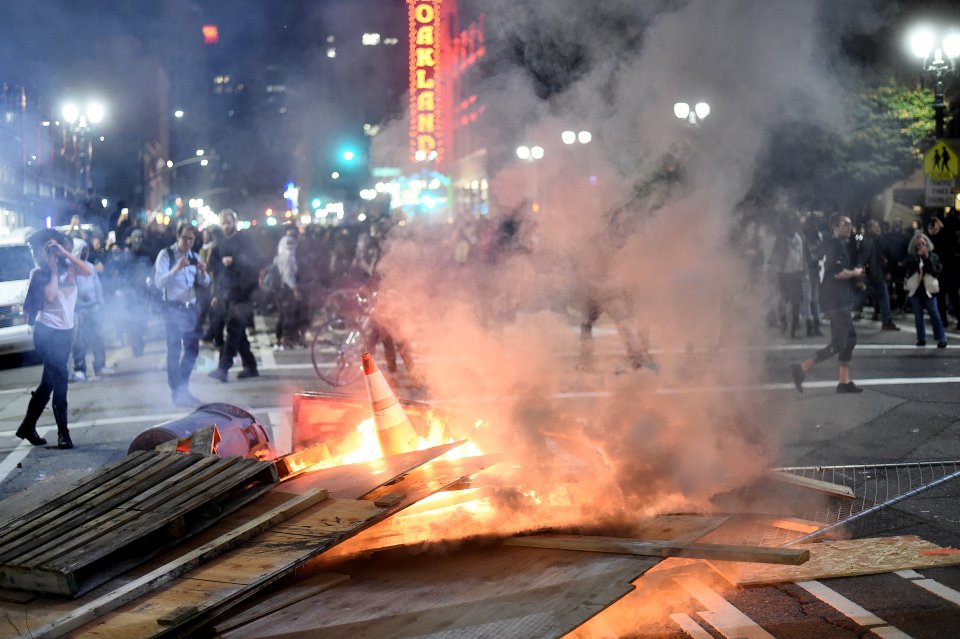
(819, 168)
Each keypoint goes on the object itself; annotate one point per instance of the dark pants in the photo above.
(881, 299)
(53, 347)
(183, 344)
(239, 317)
(919, 302)
(89, 336)
(948, 299)
(843, 338)
(288, 322)
(791, 292)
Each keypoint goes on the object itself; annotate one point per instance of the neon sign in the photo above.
(425, 115)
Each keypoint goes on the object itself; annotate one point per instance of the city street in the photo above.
(907, 413)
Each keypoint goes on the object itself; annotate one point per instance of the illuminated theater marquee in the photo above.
(425, 116)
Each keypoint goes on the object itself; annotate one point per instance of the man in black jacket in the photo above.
(235, 267)
(874, 264)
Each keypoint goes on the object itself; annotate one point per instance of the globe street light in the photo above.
(79, 121)
(923, 44)
(693, 115)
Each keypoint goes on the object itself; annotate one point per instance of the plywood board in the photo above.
(848, 558)
(476, 591)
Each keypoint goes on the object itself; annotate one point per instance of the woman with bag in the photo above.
(922, 267)
(50, 307)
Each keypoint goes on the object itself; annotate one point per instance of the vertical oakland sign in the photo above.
(425, 116)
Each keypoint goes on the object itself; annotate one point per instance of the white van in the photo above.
(16, 262)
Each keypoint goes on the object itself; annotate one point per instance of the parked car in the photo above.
(16, 262)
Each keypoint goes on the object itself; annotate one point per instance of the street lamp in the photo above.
(923, 44)
(79, 121)
(693, 115)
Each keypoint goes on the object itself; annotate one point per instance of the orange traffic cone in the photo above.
(394, 430)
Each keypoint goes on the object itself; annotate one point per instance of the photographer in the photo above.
(179, 271)
(49, 308)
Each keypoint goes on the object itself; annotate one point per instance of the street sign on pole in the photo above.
(941, 166)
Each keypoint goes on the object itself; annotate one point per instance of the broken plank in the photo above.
(794, 524)
(847, 558)
(283, 599)
(168, 572)
(271, 556)
(622, 546)
(833, 490)
(388, 500)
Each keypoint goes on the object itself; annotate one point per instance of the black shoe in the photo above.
(849, 387)
(798, 376)
(31, 435)
(64, 441)
(890, 326)
(875, 317)
(921, 342)
(247, 372)
(219, 374)
(942, 344)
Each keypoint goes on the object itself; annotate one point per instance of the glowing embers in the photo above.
(425, 53)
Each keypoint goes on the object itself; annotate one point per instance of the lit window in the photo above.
(391, 41)
(331, 39)
(331, 52)
(371, 39)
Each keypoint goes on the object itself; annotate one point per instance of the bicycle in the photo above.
(340, 342)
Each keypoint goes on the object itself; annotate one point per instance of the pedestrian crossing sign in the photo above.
(941, 162)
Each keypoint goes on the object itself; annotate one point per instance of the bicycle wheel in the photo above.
(336, 351)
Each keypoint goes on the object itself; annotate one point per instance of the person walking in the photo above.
(49, 308)
(837, 294)
(922, 267)
(179, 272)
(235, 271)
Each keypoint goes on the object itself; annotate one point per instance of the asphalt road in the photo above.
(908, 412)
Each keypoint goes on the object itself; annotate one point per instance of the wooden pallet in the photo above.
(122, 516)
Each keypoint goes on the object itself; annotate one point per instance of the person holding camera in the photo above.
(922, 268)
(49, 308)
(178, 273)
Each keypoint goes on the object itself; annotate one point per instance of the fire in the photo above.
(438, 434)
(367, 447)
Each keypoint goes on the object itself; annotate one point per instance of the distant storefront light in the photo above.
(211, 34)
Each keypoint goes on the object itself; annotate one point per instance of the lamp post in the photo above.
(923, 44)
(692, 115)
(80, 121)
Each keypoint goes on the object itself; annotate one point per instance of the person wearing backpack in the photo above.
(49, 308)
(179, 272)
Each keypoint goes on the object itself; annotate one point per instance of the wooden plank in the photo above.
(114, 517)
(36, 530)
(168, 572)
(275, 554)
(68, 493)
(389, 499)
(830, 559)
(794, 524)
(761, 554)
(177, 615)
(285, 598)
(833, 490)
(151, 519)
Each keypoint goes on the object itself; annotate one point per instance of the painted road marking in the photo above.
(721, 614)
(932, 586)
(858, 614)
(263, 343)
(690, 626)
(19, 453)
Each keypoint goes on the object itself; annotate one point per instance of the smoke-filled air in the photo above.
(638, 224)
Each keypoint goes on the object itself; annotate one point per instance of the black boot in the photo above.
(809, 328)
(28, 428)
(63, 433)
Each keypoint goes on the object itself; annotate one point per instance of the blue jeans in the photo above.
(183, 344)
(920, 301)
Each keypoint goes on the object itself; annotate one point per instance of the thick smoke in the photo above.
(640, 220)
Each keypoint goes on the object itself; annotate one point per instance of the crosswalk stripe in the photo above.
(935, 587)
(721, 614)
(689, 626)
(858, 614)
